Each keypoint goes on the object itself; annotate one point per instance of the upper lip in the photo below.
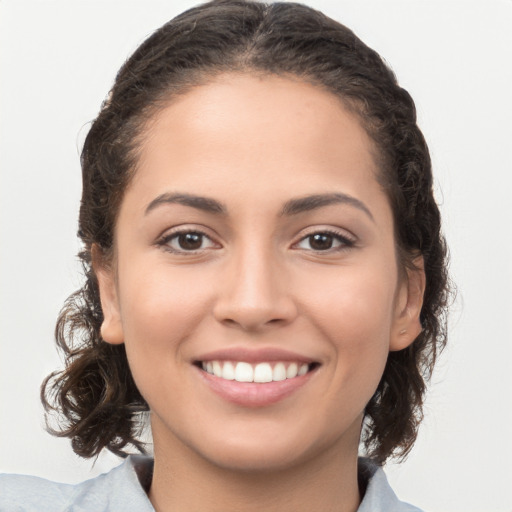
(254, 355)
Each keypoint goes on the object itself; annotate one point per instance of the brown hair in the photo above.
(96, 396)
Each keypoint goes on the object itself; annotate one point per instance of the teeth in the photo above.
(244, 372)
(217, 369)
(292, 370)
(228, 371)
(261, 372)
(279, 372)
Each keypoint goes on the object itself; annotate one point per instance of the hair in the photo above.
(96, 397)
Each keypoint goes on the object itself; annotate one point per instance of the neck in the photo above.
(183, 481)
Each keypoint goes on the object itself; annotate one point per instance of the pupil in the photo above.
(321, 242)
(190, 241)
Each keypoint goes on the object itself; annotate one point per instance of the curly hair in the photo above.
(97, 399)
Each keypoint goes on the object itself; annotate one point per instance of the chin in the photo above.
(250, 458)
(272, 447)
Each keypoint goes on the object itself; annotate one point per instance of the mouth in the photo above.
(261, 372)
(255, 378)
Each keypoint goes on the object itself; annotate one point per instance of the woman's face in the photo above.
(255, 244)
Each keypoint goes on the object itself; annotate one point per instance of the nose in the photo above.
(254, 293)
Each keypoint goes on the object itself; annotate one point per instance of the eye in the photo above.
(324, 241)
(187, 241)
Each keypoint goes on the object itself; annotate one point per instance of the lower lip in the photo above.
(254, 394)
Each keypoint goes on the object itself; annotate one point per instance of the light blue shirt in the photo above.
(124, 489)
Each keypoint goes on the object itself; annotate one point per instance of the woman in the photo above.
(265, 272)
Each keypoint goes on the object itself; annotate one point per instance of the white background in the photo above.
(58, 60)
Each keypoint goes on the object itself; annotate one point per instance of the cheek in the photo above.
(353, 301)
(354, 311)
(154, 293)
(160, 309)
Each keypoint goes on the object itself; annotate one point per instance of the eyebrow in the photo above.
(307, 203)
(292, 207)
(201, 203)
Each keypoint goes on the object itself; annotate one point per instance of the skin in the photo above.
(253, 144)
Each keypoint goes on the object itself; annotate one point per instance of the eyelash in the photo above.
(165, 241)
(345, 241)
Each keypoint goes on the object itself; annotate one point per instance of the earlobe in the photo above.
(111, 327)
(407, 325)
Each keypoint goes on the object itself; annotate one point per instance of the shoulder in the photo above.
(378, 496)
(119, 489)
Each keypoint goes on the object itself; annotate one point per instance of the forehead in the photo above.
(256, 135)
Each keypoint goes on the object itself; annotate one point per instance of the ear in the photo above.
(407, 325)
(111, 328)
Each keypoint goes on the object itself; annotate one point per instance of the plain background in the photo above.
(58, 60)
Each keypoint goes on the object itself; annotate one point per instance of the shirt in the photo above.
(125, 487)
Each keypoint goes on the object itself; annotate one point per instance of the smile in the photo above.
(255, 377)
(262, 372)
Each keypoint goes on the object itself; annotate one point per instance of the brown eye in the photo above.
(324, 241)
(187, 241)
(190, 241)
(321, 241)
